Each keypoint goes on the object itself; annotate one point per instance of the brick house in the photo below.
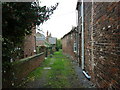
(29, 47)
(40, 39)
(98, 23)
(51, 40)
(40, 42)
(69, 44)
(99, 42)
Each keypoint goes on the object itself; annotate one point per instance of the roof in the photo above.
(52, 40)
(39, 36)
(74, 29)
(78, 2)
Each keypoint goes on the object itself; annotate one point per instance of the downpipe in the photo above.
(84, 72)
(86, 75)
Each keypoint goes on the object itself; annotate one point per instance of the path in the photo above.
(57, 71)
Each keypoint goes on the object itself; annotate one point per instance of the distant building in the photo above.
(40, 39)
(51, 40)
(40, 42)
(69, 44)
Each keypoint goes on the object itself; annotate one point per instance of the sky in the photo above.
(63, 18)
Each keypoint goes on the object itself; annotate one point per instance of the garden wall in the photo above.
(18, 70)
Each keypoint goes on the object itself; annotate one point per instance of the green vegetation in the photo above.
(38, 49)
(58, 44)
(36, 74)
(18, 20)
(61, 74)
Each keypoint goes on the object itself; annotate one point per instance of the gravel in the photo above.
(83, 80)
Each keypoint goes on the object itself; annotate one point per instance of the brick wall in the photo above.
(102, 43)
(68, 45)
(29, 44)
(79, 49)
(20, 69)
(88, 39)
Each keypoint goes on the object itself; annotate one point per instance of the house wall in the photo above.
(29, 44)
(67, 45)
(79, 49)
(102, 43)
(107, 44)
(40, 43)
(79, 29)
(88, 32)
(40, 39)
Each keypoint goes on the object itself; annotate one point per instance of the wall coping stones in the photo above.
(27, 59)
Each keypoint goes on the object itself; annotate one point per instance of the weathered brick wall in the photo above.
(79, 27)
(64, 44)
(20, 69)
(79, 49)
(29, 44)
(88, 40)
(103, 64)
(67, 45)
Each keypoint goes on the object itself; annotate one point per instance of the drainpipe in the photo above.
(82, 36)
(78, 48)
(92, 44)
(82, 44)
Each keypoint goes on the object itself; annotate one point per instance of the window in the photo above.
(71, 35)
(75, 47)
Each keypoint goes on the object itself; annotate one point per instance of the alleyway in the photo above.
(87, 32)
(57, 71)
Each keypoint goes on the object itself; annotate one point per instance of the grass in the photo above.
(58, 76)
(37, 72)
(61, 74)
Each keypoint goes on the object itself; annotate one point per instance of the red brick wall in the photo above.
(21, 69)
(67, 45)
(103, 64)
(88, 40)
(79, 49)
(29, 44)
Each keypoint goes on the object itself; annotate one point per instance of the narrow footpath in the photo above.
(57, 71)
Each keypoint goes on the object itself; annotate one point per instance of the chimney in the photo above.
(47, 33)
(50, 35)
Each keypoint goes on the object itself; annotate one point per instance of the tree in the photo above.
(17, 20)
(59, 44)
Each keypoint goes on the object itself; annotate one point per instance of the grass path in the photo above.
(59, 74)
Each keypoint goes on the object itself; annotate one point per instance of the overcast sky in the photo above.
(63, 18)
